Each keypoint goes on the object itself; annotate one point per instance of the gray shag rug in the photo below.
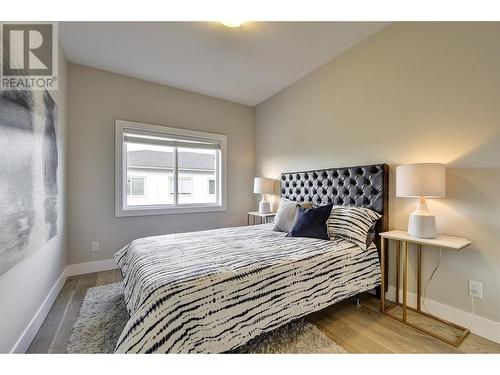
(103, 316)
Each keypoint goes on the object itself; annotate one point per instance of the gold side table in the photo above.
(402, 238)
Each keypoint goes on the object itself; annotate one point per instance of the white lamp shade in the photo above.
(421, 180)
(263, 185)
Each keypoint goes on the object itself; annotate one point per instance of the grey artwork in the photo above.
(28, 174)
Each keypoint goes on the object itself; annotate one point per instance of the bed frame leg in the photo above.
(378, 292)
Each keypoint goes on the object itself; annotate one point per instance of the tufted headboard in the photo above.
(364, 186)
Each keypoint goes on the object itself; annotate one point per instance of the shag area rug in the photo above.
(103, 316)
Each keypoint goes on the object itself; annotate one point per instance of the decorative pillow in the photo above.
(285, 215)
(311, 222)
(355, 224)
(371, 235)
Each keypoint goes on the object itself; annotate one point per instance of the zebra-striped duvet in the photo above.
(211, 291)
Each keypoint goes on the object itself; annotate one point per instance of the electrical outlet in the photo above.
(95, 245)
(475, 289)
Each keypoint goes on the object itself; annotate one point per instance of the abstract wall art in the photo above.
(29, 193)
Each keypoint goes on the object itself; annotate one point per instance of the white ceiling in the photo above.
(245, 65)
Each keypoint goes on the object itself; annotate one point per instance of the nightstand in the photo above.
(263, 218)
(402, 238)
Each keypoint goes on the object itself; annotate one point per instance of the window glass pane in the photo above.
(171, 185)
(137, 186)
(153, 155)
(149, 168)
(195, 167)
(186, 185)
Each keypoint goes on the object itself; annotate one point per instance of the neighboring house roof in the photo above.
(164, 160)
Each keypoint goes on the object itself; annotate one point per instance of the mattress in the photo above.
(212, 291)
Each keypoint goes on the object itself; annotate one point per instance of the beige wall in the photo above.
(98, 98)
(414, 92)
(25, 286)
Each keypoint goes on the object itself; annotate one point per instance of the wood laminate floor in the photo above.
(358, 329)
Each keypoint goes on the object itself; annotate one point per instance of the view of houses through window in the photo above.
(185, 185)
(151, 180)
(135, 186)
(211, 186)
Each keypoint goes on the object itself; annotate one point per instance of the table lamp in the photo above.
(263, 186)
(423, 180)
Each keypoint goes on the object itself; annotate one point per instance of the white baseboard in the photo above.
(480, 326)
(29, 333)
(34, 325)
(89, 267)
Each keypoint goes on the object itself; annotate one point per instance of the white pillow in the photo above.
(285, 216)
(352, 223)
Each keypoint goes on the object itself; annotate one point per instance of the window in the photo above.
(135, 186)
(185, 186)
(177, 163)
(211, 186)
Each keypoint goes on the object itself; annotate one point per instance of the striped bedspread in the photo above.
(212, 291)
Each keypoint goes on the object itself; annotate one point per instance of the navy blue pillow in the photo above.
(311, 222)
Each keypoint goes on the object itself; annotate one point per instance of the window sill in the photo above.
(140, 211)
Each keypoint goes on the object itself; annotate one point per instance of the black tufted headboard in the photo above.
(364, 186)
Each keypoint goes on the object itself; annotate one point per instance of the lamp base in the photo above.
(422, 226)
(264, 207)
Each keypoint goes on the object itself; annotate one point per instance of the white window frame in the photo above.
(143, 178)
(121, 207)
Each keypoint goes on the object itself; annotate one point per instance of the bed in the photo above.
(212, 291)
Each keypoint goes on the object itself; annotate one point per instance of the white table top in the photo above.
(444, 242)
(257, 213)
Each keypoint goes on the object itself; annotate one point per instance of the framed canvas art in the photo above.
(28, 174)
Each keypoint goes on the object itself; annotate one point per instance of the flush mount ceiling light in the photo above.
(232, 24)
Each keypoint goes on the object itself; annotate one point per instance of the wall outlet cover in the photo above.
(95, 245)
(475, 289)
